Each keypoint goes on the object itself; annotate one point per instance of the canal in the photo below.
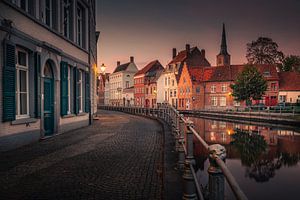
(263, 159)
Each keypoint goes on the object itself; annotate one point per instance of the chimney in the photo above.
(187, 48)
(174, 52)
(203, 52)
(131, 59)
(118, 63)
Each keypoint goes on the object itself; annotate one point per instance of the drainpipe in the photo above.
(89, 60)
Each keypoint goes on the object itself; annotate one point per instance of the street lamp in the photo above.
(102, 68)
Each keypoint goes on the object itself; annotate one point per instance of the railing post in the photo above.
(181, 155)
(177, 132)
(189, 191)
(216, 176)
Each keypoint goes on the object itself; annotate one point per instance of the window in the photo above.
(127, 84)
(166, 81)
(222, 101)
(147, 90)
(236, 103)
(197, 89)
(273, 86)
(214, 101)
(166, 95)
(80, 25)
(184, 80)
(224, 88)
(51, 13)
(80, 95)
(173, 82)
(282, 98)
(22, 97)
(175, 93)
(169, 81)
(213, 89)
(67, 20)
(171, 93)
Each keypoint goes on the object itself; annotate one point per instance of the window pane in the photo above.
(22, 58)
(23, 4)
(23, 103)
(23, 81)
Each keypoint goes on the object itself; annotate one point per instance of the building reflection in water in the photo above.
(261, 150)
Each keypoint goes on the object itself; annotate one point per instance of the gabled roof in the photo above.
(196, 73)
(289, 81)
(122, 67)
(150, 68)
(181, 56)
(228, 73)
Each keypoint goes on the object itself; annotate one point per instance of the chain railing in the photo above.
(184, 132)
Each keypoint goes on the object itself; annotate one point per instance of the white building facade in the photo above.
(48, 63)
(121, 78)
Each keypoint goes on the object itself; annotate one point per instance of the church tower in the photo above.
(223, 59)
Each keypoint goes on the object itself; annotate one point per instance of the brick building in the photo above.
(168, 80)
(145, 84)
(101, 81)
(217, 81)
(48, 67)
(190, 87)
(289, 87)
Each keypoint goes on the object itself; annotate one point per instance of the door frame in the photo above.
(53, 60)
(51, 81)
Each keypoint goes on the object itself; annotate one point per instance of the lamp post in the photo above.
(102, 68)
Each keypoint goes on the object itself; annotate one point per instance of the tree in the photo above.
(291, 63)
(250, 85)
(263, 51)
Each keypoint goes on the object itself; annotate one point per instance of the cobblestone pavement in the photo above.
(119, 157)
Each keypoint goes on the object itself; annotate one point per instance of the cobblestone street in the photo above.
(119, 157)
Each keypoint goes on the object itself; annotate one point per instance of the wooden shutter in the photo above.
(37, 85)
(64, 88)
(9, 82)
(87, 92)
(76, 90)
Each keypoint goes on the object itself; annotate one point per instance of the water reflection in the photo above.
(255, 154)
(250, 146)
(261, 150)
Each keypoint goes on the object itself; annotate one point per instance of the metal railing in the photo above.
(184, 132)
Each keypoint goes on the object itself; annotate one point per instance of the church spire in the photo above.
(223, 50)
(223, 59)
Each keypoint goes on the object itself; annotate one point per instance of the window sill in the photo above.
(68, 116)
(24, 121)
(82, 114)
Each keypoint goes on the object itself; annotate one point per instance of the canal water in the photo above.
(264, 160)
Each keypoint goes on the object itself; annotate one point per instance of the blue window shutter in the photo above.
(37, 85)
(64, 88)
(9, 82)
(76, 90)
(87, 92)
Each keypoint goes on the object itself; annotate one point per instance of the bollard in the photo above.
(189, 191)
(216, 176)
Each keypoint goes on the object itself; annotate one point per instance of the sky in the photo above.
(149, 29)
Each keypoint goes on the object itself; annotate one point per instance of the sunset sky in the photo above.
(149, 29)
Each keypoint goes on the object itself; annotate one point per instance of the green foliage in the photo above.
(291, 63)
(250, 85)
(264, 51)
